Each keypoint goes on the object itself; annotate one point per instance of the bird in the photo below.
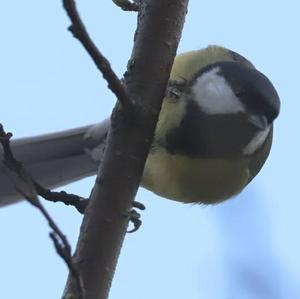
(213, 135)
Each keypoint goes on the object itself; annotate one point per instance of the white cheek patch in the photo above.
(256, 141)
(214, 95)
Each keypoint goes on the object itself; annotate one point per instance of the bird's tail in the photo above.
(56, 159)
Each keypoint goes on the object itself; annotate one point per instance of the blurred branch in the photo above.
(129, 140)
(79, 32)
(25, 185)
(126, 5)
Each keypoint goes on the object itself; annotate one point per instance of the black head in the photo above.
(253, 88)
(229, 112)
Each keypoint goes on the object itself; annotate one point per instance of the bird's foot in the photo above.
(135, 217)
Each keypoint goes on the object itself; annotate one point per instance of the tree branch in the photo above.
(129, 140)
(68, 199)
(25, 185)
(79, 31)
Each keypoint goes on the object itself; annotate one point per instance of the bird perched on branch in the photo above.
(213, 135)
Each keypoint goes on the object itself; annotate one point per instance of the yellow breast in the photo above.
(192, 180)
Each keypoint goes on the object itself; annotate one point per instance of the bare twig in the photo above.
(126, 5)
(79, 31)
(27, 187)
(68, 199)
(62, 247)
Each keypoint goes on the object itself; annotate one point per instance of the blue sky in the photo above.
(48, 83)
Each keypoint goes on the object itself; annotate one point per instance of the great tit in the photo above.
(215, 128)
(213, 135)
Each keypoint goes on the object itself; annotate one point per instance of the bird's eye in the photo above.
(175, 88)
(173, 92)
(176, 92)
(239, 93)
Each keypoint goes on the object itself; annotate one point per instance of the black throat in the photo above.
(211, 136)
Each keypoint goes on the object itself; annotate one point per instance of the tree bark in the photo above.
(104, 225)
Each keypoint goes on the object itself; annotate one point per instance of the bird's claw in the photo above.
(134, 217)
(138, 205)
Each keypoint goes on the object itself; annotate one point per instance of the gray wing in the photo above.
(56, 159)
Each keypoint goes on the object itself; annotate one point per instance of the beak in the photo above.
(260, 122)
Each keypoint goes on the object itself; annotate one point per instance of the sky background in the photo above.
(246, 248)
